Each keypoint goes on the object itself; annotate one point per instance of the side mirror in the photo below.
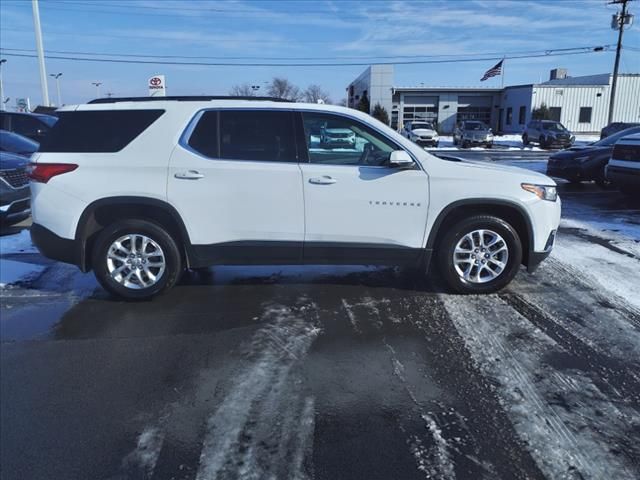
(400, 159)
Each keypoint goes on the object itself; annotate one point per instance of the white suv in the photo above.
(140, 189)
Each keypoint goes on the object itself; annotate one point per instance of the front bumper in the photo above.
(433, 142)
(14, 202)
(536, 258)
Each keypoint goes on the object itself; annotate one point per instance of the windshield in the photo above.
(14, 143)
(475, 126)
(553, 127)
(611, 139)
(416, 125)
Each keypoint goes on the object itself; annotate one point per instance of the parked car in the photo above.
(472, 132)
(578, 164)
(14, 188)
(547, 134)
(154, 185)
(338, 137)
(422, 133)
(32, 125)
(623, 169)
(616, 127)
(14, 143)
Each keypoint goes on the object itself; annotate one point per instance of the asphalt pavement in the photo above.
(324, 373)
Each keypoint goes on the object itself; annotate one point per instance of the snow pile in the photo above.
(11, 270)
(512, 142)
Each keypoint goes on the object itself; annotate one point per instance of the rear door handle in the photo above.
(189, 175)
(323, 180)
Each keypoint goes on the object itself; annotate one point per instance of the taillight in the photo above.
(43, 172)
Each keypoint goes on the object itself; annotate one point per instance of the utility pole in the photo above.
(40, 49)
(57, 77)
(2, 61)
(620, 26)
(97, 85)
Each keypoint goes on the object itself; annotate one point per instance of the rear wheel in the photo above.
(136, 259)
(542, 142)
(525, 139)
(480, 254)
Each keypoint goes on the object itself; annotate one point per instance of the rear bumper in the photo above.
(626, 177)
(55, 247)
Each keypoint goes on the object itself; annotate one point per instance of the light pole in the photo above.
(618, 24)
(40, 49)
(97, 85)
(2, 61)
(57, 77)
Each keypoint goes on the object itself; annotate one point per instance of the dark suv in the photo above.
(547, 134)
(32, 125)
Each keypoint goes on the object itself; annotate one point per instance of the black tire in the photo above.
(601, 179)
(542, 142)
(489, 145)
(450, 239)
(455, 142)
(525, 139)
(173, 259)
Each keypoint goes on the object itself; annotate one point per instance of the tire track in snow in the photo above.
(263, 427)
(607, 373)
(573, 433)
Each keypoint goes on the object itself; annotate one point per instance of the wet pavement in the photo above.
(324, 373)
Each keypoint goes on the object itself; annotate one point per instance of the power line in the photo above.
(361, 57)
(269, 64)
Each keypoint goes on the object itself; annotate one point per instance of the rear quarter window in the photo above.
(97, 131)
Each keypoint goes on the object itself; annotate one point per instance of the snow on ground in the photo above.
(511, 142)
(12, 271)
(552, 410)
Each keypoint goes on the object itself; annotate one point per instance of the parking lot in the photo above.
(332, 372)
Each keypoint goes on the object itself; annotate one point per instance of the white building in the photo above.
(580, 103)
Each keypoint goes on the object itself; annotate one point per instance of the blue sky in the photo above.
(328, 31)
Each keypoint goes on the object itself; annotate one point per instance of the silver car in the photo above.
(472, 132)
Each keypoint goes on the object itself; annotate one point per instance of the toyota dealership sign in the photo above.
(157, 86)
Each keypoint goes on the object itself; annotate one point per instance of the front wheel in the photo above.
(525, 139)
(136, 259)
(480, 254)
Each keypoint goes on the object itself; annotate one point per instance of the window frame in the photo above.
(185, 137)
(298, 128)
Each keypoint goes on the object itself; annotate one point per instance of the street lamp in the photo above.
(57, 77)
(97, 85)
(2, 61)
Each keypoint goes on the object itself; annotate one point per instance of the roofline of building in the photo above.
(446, 89)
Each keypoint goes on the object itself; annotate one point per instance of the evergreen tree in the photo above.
(380, 113)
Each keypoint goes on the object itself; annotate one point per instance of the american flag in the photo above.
(493, 72)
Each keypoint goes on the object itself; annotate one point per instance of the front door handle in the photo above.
(323, 180)
(189, 175)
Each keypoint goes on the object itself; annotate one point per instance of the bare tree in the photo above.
(243, 90)
(313, 93)
(283, 88)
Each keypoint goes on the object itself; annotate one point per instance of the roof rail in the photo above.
(201, 98)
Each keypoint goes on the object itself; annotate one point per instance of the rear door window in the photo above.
(97, 131)
(250, 135)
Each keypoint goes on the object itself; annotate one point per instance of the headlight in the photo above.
(543, 192)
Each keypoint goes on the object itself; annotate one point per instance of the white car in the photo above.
(422, 133)
(338, 137)
(137, 190)
(623, 169)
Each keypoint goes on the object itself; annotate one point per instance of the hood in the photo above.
(424, 131)
(338, 130)
(522, 174)
(587, 150)
(10, 161)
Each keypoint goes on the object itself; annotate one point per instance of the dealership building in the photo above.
(580, 103)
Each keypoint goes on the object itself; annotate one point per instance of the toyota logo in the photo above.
(155, 81)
